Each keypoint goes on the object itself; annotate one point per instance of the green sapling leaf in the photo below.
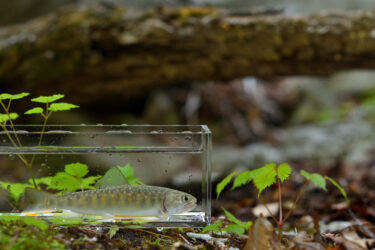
(265, 177)
(284, 171)
(5, 117)
(36, 110)
(242, 179)
(213, 227)
(5, 96)
(47, 99)
(235, 229)
(87, 183)
(18, 96)
(128, 173)
(44, 180)
(15, 190)
(62, 106)
(30, 221)
(317, 179)
(338, 186)
(220, 187)
(64, 182)
(246, 224)
(77, 169)
(231, 217)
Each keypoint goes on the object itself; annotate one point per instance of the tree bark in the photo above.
(109, 49)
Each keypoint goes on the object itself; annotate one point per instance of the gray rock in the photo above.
(325, 144)
(355, 82)
(258, 154)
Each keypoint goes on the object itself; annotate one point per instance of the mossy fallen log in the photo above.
(107, 49)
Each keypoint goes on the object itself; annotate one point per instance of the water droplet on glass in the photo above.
(159, 229)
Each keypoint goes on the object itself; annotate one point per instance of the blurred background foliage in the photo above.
(323, 123)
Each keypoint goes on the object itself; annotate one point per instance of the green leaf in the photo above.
(36, 110)
(112, 231)
(246, 224)
(317, 179)
(284, 171)
(231, 217)
(77, 169)
(235, 228)
(87, 183)
(30, 221)
(265, 177)
(338, 186)
(6, 96)
(242, 179)
(44, 180)
(128, 173)
(221, 185)
(68, 221)
(15, 190)
(64, 182)
(19, 96)
(62, 106)
(213, 227)
(47, 99)
(5, 117)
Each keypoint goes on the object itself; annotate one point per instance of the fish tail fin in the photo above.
(34, 197)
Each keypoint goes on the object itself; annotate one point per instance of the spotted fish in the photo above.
(122, 200)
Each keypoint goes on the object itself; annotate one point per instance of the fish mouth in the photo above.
(189, 206)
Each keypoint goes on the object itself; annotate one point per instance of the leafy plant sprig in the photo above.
(50, 106)
(73, 178)
(235, 226)
(270, 174)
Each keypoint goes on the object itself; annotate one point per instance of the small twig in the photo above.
(184, 239)
(297, 199)
(152, 233)
(6, 109)
(220, 242)
(14, 143)
(355, 218)
(268, 210)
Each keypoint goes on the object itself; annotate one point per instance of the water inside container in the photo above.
(156, 154)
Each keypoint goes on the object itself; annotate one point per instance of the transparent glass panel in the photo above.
(175, 157)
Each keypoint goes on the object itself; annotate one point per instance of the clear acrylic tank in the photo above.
(177, 157)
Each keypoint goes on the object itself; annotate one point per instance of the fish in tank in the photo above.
(109, 174)
(118, 201)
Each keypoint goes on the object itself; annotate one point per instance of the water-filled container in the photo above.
(175, 157)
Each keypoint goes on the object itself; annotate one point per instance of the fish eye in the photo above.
(185, 198)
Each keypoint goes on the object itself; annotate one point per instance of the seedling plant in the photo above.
(73, 178)
(266, 176)
(50, 106)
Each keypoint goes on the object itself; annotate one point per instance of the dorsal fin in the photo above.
(33, 196)
(113, 177)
